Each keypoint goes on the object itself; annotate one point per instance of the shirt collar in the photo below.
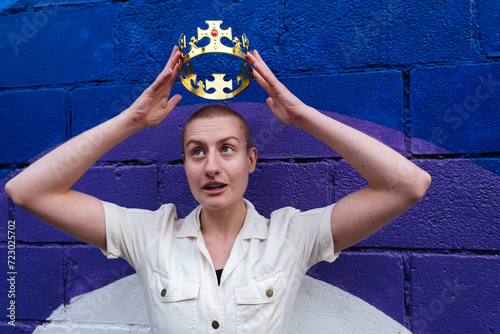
(255, 226)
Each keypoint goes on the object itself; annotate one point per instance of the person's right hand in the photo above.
(151, 108)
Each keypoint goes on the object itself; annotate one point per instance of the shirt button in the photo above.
(215, 324)
(163, 292)
(269, 293)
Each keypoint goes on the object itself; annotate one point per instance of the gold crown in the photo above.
(215, 33)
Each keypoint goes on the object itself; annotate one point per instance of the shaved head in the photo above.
(216, 110)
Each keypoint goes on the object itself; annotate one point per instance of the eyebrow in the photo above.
(200, 143)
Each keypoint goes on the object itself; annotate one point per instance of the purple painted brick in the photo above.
(57, 45)
(456, 108)
(31, 229)
(271, 186)
(38, 282)
(455, 213)
(455, 294)
(20, 328)
(35, 120)
(301, 185)
(377, 278)
(274, 140)
(4, 212)
(347, 181)
(130, 186)
(459, 210)
(174, 188)
(88, 269)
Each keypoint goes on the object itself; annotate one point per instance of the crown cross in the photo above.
(215, 34)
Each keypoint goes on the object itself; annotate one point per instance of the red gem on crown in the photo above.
(214, 32)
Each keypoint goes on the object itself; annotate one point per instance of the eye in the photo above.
(227, 149)
(197, 152)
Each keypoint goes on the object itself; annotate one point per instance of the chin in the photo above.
(218, 203)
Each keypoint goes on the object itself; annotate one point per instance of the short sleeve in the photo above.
(130, 232)
(310, 234)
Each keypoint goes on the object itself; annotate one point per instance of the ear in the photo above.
(252, 157)
(183, 158)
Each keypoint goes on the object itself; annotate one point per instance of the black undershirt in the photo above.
(219, 274)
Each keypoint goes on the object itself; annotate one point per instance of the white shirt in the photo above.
(259, 282)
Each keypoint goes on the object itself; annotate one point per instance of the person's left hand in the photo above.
(285, 106)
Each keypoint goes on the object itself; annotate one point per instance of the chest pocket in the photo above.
(173, 302)
(260, 303)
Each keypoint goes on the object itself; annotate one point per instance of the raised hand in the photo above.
(151, 108)
(285, 106)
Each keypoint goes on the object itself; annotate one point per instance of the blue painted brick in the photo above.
(129, 186)
(455, 213)
(301, 185)
(324, 36)
(375, 97)
(382, 92)
(57, 45)
(376, 278)
(35, 121)
(39, 281)
(88, 269)
(489, 27)
(463, 298)
(146, 33)
(92, 106)
(42, 3)
(456, 109)
(13, 5)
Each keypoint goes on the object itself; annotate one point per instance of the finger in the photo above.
(173, 77)
(174, 100)
(173, 59)
(160, 81)
(264, 71)
(270, 103)
(260, 80)
(173, 54)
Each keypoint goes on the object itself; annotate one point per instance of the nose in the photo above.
(212, 166)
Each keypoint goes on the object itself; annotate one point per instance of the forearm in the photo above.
(382, 167)
(56, 172)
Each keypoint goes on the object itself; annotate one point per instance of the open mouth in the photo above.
(214, 186)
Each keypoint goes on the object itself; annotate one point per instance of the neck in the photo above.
(223, 223)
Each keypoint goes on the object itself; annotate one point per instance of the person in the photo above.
(224, 267)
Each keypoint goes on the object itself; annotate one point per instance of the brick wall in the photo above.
(422, 76)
